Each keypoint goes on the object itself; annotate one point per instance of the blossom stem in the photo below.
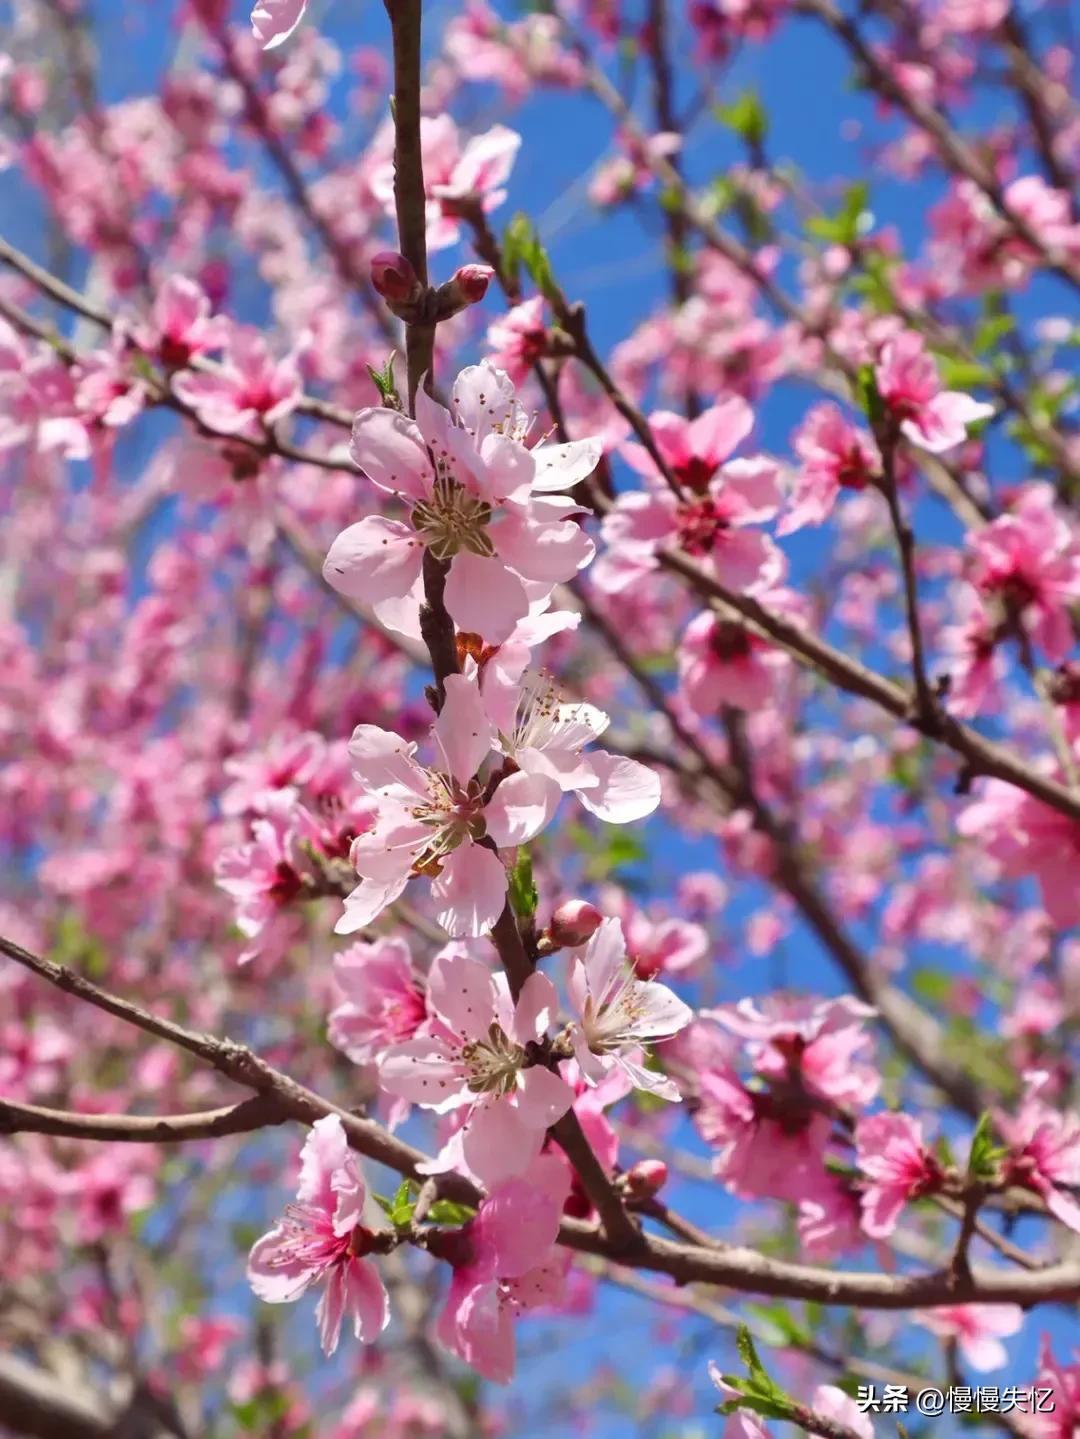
(409, 197)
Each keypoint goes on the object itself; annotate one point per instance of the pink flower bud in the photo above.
(473, 281)
(575, 921)
(464, 287)
(393, 277)
(645, 1178)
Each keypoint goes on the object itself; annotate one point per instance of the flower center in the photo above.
(453, 520)
(699, 524)
(453, 814)
(492, 1063)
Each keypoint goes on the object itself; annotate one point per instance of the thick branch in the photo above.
(736, 1268)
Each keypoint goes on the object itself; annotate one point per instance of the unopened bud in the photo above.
(394, 278)
(465, 287)
(574, 922)
(645, 1178)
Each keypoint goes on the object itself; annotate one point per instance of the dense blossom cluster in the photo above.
(625, 805)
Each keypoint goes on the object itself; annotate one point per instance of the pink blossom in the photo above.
(832, 1403)
(978, 1330)
(431, 821)
(974, 662)
(286, 764)
(476, 1060)
(273, 21)
(573, 923)
(519, 338)
(512, 1267)
(181, 324)
(618, 178)
(382, 1001)
(891, 1153)
(721, 662)
(1063, 1382)
(835, 455)
(820, 1043)
(1027, 837)
(321, 1239)
(657, 945)
(908, 382)
(1044, 1151)
(767, 1149)
(618, 1013)
(247, 391)
(476, 170)
(484, 505)
(266, 874)
(1027, 562)
(709, 523)
(546, 739)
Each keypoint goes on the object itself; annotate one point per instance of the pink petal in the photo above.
(380, 759)
(460, 992)
(424, 1071)
(471, 891)
(520, 808)
(273, 21)
(625, 790)
(274, 1277)
(390, 450)
(367, 901)
(483, 597)
(377, 559)
(720, 430)
(366, 1300)
(462, 731)
(536, 1009)
(561, 467)
(543, 1097)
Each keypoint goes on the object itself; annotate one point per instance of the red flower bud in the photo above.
(393, 277)
(474, 281)
(645, 1178)
(575, 921)
(464, 287)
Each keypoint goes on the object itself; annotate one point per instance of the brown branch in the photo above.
(955, 152)
(260, 1112)
(734, 1268)
(410, 198)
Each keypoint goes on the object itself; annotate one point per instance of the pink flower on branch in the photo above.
(477, 1059)
(1027, 565)
(709, 521)
(1043, 1153)
(511, 1268)
(383, 1003)
(619, 1013)
(898, 1167)
(432, 821)
(321, 1240)
(455, 173)
(273, 21)
(479, 499)
(929, 416)
(247, 392)
(978, 1330)
(547, 739)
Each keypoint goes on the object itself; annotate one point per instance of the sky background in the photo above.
(616, 262)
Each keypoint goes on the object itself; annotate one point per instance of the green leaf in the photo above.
(522, 247)
(869, 395)
(384, 382)
(984, 1155)
(447, 1211)
(523, 893)
(849, 223)
(746, 116)
(398, 1210)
